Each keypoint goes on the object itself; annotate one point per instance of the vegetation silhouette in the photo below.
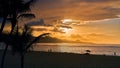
(5, 39)
(3, 12)
(23, 42)
(12, 10)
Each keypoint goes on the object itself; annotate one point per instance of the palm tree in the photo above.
(3, 12)
(12, 9)
(23, 42)
(18, 10)
(4, 38)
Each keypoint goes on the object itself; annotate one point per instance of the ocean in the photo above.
(97, 49)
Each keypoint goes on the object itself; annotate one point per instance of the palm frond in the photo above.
(28, 15)
(26, 6)
(27, 30)
(36, 39)
(30, 2)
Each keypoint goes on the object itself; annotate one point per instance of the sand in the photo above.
(62, 60)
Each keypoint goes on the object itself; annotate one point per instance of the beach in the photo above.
(39, 59)
(60, 33)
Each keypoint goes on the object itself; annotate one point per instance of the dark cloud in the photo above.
(40, 29)
(50, 4)
(61, 1)
(92, 0)
(48, 1)
(53, 17)
(38, 23)
(52, 20)
(52, 10)
(112, 10)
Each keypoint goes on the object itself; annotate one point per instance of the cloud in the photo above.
(102, 38)
(92, 0)
(40, 29)
(113, 10)
(78, 37)
(57, 30)
(77, 9)
(107, 26)
(38, 23)
(52, 17)
(97, 35)
(101, 23)
(97, 18)
(65, 26)
(94, 38)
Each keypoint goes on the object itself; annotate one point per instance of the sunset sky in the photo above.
(95, 21)
(88, 21)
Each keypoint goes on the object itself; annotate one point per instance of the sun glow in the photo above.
(66, 30)
(66, 20)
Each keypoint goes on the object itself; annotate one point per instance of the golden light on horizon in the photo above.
(82, 31)
(77, 21)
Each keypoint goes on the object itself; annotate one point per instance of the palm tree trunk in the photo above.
(17, 28)
(13, 23)
(3, 56)
(3, 24)
(12, 27)
(22, 60)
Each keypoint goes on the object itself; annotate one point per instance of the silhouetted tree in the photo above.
(23, 42)
(4, 38)
(13, 10)
(18, 10)
(3, 13)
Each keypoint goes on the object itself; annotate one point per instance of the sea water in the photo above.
(99, 49)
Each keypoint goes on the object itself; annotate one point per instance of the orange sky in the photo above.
(94, 21)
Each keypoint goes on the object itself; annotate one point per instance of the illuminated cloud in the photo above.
(102, 38)
(78, 9)
(65, 26)
(78, 37)
(57, 30)
(90, 20)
